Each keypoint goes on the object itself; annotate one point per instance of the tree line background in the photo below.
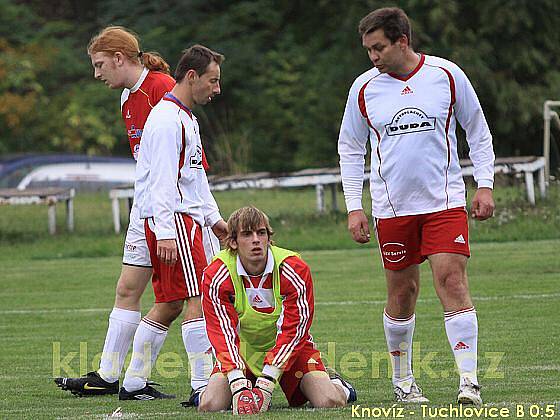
(289, 65)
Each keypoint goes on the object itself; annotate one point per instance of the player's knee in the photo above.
(127, 293)
(328, 401)
(174, 309)
(455, 284)
(411, 289)
(210, 405)
(125, 290)
(405, 296)
(194, 308)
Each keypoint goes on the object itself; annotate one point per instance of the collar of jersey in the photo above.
(172, 98)
(405, 77)
(267, 269)
(139, 81)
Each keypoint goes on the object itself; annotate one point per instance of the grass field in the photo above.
(56, 294)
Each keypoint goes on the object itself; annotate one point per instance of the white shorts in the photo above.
(136, 248)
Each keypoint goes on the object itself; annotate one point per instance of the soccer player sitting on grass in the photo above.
(258, 304)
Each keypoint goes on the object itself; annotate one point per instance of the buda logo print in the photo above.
(410, 120)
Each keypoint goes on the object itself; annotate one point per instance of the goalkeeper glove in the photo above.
(263, 392)
(243, 400)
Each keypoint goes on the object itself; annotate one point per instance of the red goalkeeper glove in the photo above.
(263, 392)
(243, 400)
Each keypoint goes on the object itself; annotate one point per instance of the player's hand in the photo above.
(243, 399)
(167, 251)
(220, 230)
(483, 204)
(358, 226)
(263, 392)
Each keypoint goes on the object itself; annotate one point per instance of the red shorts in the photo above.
(407, 240)
(182, 279)
(307, 359)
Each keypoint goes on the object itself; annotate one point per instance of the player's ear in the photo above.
(191, 75)
(118, 58)
(403, 42)
(233, 244)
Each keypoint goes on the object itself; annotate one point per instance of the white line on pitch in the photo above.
(348, 302)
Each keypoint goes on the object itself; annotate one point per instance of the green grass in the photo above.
(50, 304)
(56, 293)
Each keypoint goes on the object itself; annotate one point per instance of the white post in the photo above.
(542, 183)
(116, 214)
(70, 214)
(530, 187)
(52, 217)
(320, 192)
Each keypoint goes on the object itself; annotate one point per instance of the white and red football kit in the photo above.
(171, 181)
(294, 349)
(410, 122)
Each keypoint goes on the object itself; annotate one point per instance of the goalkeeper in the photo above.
(258, 304)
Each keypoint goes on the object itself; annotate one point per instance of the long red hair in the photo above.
(114, 39)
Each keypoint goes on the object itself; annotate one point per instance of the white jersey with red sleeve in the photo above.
(410, 122)
(138, 101)
(170, 176)
(222, 320)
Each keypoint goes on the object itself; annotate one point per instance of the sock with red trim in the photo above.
(199, 351)
(462, 332)
(147, 343)
(398, 333)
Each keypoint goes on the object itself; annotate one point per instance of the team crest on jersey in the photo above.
(410, 120)
(134, 133)
(195, 159)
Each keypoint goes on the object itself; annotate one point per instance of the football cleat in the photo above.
(194, 398)
(335, 377)
(414, 394)
(89, 385)
(469, 393)
(145, 394)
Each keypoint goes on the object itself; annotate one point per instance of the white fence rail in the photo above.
(330, 177)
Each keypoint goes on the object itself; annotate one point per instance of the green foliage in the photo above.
(288, 69)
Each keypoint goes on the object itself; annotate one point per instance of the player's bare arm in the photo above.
(167, 250)
(483, 204)
(220, 230)
(358, 226)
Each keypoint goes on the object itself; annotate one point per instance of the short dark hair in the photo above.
(392, 20)
(196, 58)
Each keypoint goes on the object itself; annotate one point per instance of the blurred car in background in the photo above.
(65, 170)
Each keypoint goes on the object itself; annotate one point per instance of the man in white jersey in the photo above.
(408, 106)
(174, 199)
